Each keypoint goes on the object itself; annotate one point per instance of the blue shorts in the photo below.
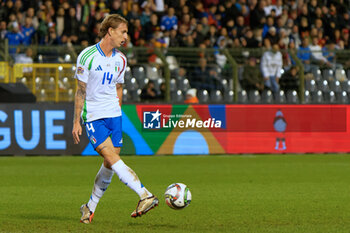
(99, 130)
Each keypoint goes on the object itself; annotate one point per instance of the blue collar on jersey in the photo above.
(102, 53)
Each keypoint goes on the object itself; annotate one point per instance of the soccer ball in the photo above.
(177, 196)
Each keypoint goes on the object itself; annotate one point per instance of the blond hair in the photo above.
(111, 21)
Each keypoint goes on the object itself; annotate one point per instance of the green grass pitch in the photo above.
(262, 193)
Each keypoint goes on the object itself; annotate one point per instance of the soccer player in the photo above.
(100, 74)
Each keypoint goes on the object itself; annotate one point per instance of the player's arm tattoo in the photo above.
(80, 95)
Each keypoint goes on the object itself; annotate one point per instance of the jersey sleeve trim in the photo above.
(87, 54)
(124, 63)
(90, 63)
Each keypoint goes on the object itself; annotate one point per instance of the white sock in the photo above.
(129, 178)
(102, 180)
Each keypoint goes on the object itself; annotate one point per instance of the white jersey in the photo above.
(101, 75)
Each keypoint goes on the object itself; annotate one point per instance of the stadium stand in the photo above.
(226, 33)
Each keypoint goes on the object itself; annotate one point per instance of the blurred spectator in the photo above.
(249, 40)
(52, 38)
(304, 55)
(169, 21)
(257, 17)
(28, 31)
(3, 29)
(151, 27)
(220, 57)
(290, 80)
(203, 77)
(271, 66)
(271, 37)
(133, 14)
(191, 96)
(71, 27)
(25, 58)
(149, 92)
(162, 89)
(42, 29)
(83, 12)
(146, 15)
(14, 36)
(136, 32)
(329, 52)
(316, 52)
(60, 21)
(252, 78)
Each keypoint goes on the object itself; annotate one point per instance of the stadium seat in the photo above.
(125, 95)
(329, 97)
(335, 86)
(267, 97)
(51, 84)
(292, 97)
(183, 85)
(307, 97)
(203, 96)
(135, 95)
(66, 82)
(177, 96)
(157, 84)
(328, 74)
(171, 60)
(70, 95)
(24, 80)
(131, 84)
(38, 83)
(152, 72)
(243, 97)
(143, 82)
(216, 96)
(67, 58)
(254, 97)
(228, 96)
(342, 97)
(280, 97)
(310, 85)
(139, 72)
(42, 95)
(317, 74)
(323, 86)
(340, 75)
(317, 97)
(346, 86)
(128, 74)
(173, 84)
(224, 84)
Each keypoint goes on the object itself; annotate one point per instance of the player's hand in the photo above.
(76, 132)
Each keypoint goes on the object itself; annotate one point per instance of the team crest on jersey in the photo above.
(117, 66)
(80, 70)
(93, 139)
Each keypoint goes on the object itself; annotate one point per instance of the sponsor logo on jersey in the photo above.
(99, 68)
(80, 70)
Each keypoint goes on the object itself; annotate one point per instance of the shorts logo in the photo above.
(80, 70)
(151, 120)
(93, 139)
(121, 141)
